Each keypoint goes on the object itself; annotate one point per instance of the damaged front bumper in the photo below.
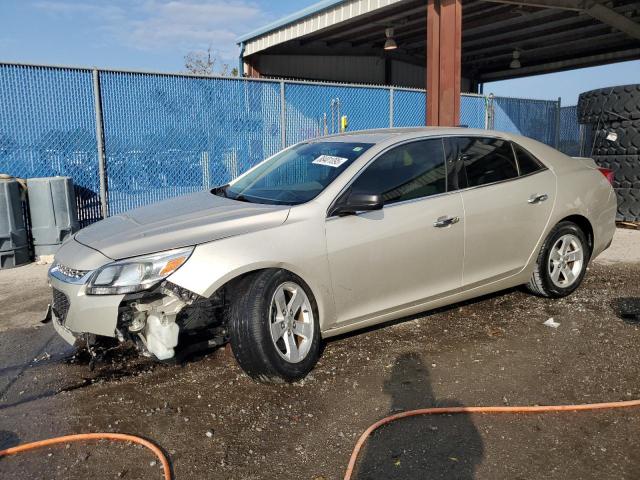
(147, 317)
(66, 334)
(76, 312)
(153, 319)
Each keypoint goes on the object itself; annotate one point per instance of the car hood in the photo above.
(179, 222)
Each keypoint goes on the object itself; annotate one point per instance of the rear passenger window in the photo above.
(527, 162)
(481, 160)
(409, 171)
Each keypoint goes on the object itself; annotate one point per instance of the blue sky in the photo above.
(156, 34)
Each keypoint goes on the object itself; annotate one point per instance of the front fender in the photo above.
(295, 246)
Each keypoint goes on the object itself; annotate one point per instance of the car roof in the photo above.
(381, 135)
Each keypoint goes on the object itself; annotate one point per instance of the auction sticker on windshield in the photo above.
(330, 161)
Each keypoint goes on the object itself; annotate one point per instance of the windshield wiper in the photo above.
(224, 192)
(220, 191)
(241, 198)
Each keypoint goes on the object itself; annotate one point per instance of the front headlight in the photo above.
(136, 274)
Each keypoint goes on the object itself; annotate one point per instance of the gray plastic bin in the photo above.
(14, 242)
(52, 210)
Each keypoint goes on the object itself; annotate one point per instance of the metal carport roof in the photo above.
(550, 35)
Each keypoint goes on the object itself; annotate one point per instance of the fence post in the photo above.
(391, 105)
(488, 118)
(102, 168)
(283, 116)
(557, 142)
(581, 139)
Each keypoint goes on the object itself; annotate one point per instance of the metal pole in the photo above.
(102, 168)
(581, 140)
(490, 113)
(283, 116)
(391, 106)
(486, 113)
(558, 123)
(333, 121)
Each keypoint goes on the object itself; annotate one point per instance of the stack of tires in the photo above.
(609, 111)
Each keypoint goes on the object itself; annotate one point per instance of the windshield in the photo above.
(296, 175)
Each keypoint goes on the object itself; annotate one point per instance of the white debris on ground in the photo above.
(551, 323)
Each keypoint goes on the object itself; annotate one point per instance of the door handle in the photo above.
(535, 198)
(445, 221)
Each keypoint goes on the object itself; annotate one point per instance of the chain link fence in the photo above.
(315, 109)
(48, 128)
(169, 135)
(132, 138)
(572, 135)
(473, 111)
(537, 119)
(409, 108)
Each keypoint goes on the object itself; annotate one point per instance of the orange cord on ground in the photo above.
(450, 410)
(359, 444)
(81, 437)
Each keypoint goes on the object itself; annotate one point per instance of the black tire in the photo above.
(625, 167)
(541, 283)
(627, 142)
(628, 204)
(609, 104)
(249, 329)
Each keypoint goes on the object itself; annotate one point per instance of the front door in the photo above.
(409, 251)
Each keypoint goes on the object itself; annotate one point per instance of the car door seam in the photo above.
(464, 238)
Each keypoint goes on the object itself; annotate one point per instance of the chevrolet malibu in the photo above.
(333, 235)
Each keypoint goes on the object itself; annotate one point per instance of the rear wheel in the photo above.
(274, 329)
(562, 262)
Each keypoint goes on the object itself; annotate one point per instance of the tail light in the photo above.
(608, 174)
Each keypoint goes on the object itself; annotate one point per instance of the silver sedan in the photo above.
(333, 235)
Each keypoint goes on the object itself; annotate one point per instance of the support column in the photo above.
(443, 50)
(250, 69)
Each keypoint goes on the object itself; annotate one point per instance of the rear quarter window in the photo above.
(526, 161)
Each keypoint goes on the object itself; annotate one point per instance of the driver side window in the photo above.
(409, 171)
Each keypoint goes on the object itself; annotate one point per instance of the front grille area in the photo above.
(60, 305)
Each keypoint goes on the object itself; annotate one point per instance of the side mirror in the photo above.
(358, 202)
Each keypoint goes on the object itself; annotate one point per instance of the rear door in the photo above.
(386, 259)
(507, 205)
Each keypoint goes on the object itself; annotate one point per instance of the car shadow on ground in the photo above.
(426, 446)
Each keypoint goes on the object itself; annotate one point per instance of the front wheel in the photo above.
(274, 329)
(562, 262)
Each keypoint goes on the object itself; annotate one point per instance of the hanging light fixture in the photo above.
(390, 43)
(515, 62)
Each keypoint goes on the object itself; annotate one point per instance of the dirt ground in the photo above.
(215, 423)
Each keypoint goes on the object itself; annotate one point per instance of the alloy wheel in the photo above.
(291, 322)
(566, 260)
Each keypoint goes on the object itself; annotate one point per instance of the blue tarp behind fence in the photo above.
(167, 135)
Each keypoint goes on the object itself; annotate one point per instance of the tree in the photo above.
(200, 63)
(203, 63)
